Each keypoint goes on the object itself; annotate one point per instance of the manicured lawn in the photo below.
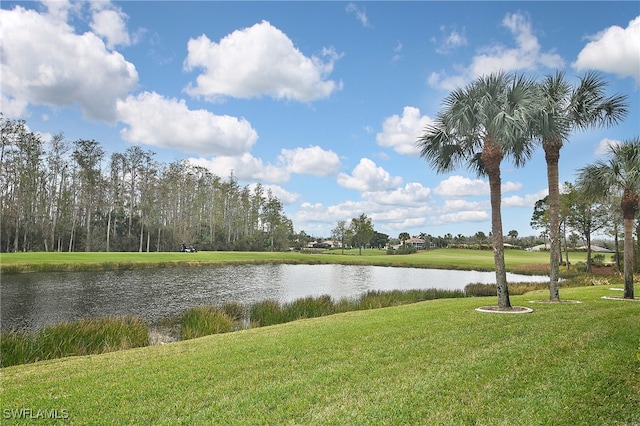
(437, 362)
(443, 258)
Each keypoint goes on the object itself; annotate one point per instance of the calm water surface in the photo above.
(31, 301)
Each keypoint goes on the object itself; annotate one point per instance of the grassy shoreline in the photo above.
(436, 362)
(516, 260)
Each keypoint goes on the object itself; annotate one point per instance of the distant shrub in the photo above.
(403, 249)
(598, 259)
(581, 267)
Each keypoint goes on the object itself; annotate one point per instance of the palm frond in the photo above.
(621, 172)
(591, 107)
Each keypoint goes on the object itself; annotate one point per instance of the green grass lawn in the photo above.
(437, 362)
(443, 258)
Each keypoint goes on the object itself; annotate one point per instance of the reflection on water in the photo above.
(31, 301)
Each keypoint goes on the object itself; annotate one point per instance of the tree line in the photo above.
(71, 196)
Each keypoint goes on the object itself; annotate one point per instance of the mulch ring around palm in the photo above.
(635, 299)
(498, 310)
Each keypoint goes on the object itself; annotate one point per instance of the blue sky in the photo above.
(321, 102)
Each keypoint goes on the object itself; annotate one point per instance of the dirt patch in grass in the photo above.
(541, 268)
(602, 270)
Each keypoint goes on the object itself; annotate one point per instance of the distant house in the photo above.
(540, 247)
(323, 244)
(418, 243)
(596, 249)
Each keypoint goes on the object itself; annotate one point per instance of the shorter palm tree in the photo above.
(621, 173)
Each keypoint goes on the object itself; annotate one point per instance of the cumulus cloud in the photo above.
(319, 218)
(311, 161)
(111, 25)
(411, 206)
(605, 145)
(256, 61)
(462, 216)
(412, 194)
(460, 186)
(285, 197)
(465, 205)
(45, 62)
(245, 167)
(169, 123)
(615, 50)
(528, 200)
(366, 176)
(525, 55)
(402, 132)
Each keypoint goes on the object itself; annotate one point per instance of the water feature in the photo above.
(31, 301)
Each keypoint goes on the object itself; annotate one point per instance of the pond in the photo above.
(32, 301)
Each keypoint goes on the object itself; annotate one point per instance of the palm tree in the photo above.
(479, 125)
(620, 174)
(564, 108)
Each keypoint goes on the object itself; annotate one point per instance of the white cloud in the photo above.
(256, 61)
(245, 167)
(447, 82)
(465, 205)
(397, 52)
(462, 216)
(321, 219)
(360, 13)
(615, 50)
(169, 123)
(111, 24)
(402, 133)
(604, 145)
(45, 62)
(412, 194)
(526, 55)
(449, 40)
(528, 201)
(285, 197)
(459, 186)
(509, 186)
(366, 176)
(310, 161)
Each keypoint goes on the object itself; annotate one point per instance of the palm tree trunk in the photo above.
(629, 205)
(491, 157)
(552, 156)
(628, 258)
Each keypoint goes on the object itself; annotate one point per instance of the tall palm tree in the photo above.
(478, 126)
(620, 174)
(564, 108)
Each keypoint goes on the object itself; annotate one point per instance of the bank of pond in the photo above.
(106, 334)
